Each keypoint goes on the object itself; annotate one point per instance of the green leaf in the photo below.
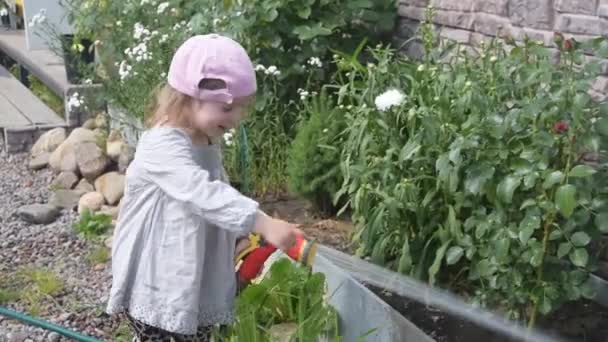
(405, 261)
(507, 187)
(565, 199)
(409, 150)
(527, 227)
(581, 171)
(304, 13)
(527, 203)
(454, 254)
(555, 234)
(545, 305)
(602, 126)
(563, 249)
(437, 263)
(554, 177)
(442, 165)
(580, 239)
(601, 222)
(477, 176)
(502, 248)
(579, 257)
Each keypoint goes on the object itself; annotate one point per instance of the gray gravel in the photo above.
(52, 246)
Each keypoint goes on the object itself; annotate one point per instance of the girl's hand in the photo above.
(277, 232)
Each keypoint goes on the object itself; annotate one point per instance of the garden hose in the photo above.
(46, 325)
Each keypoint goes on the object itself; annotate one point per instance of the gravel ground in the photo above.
(54, 247)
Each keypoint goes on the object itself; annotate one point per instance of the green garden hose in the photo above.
(46, 325)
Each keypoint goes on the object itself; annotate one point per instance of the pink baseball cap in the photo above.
(212, 56)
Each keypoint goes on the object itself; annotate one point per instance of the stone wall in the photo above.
(472, 21)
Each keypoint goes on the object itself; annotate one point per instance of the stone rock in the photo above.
(535, 14)
(49, 141)
(38, 213)
(114, 145)
(65, 199)
(101, 121)
(65, 180)
(576, 6)
(460, 36)
(108, 242)
(92, 201)
(580, 24)
(64, 157)
(127, 153)
(112, 186)
(99, 267)
(40, 161)
(84, 186)
(92, 160)
(17, 337)
(498, 7)
(461, 5)
(89, 124)
(283, 332)
(109, 210)
(491, 24)
(54, 337)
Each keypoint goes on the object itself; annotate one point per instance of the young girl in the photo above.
(174, 244)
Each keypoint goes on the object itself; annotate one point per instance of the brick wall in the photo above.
(472, 21)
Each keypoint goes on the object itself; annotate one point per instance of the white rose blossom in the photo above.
(228, 137)
(388, 99)
(162, 7)
(315, 61)
(124, 70)
(75, 101)
(38, 18)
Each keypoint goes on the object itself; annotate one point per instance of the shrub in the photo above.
(314, 157)
(476, 176)
(290, 40)
(92, 225)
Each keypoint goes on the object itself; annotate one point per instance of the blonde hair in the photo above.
(174, 107)
(169, 105)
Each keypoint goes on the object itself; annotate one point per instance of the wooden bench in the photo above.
(44, 64)
(23, 116)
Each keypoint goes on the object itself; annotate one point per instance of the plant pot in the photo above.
(76, 61)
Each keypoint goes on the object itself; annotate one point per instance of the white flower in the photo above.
(341, 106)
(315, 61)
(468, 84)
(371, 65)
(139, 31)
(88, 81)
(163, 75)
(97, 42)
(145, 2)
(493, 59)
(75, 101)
(38, 18)
(124, 70)
(228, 137)
(239, 13)
(326, 130)
(163, 38)
(421, 68)
(389, 98)
(3, 12)
(303, 94)
(216, 21)
(272, 70)
(119, 23)
(173, 10)
(162, 7)
(260, 67)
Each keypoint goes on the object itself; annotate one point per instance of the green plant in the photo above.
(37, 287)
(92, 225)
(100, 255)
(46, 95)
(288, 293)
(122, 333)
(473, 173)
(290, 41)
(8, 296)
(313, 166)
